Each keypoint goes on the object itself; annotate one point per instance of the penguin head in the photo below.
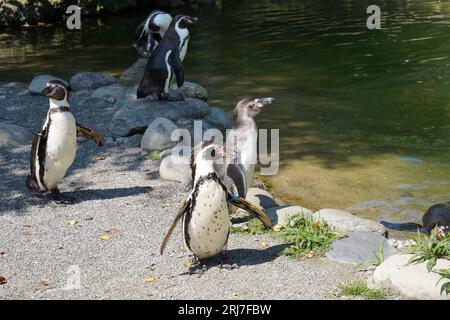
(56, 90)
(183, 22)
(211, 153)
(250, 107)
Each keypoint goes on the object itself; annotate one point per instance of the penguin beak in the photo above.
(261, 102)
(191, 20)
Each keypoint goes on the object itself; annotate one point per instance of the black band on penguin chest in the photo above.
(59, 109)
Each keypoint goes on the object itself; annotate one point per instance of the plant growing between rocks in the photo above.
(359, 288)
(154, 156)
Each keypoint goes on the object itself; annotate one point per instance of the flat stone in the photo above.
(39, 83)
(91, 80)
(13, 136)
(281, 214)
(158, 135)
(359, 247)
(138, 114)
(176, 168)
(411, 280)
(346, 222)
(260, 198)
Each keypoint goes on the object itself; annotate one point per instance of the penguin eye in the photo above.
(213, 153)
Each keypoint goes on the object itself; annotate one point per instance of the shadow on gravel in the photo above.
(104, 194)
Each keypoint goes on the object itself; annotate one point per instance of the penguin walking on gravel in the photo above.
(150, 32)
(206, 212)
(54, 147)
(165, 63)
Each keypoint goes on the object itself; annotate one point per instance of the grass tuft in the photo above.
(359, 288)
(154, 156)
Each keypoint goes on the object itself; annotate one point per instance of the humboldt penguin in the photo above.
(166, 61)
(244, 135)
(206, 212)
(150, 32)
(437, 215)
(54, 147)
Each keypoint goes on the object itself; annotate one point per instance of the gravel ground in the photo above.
(43, 246)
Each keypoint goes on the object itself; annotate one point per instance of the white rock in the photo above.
(280, 215)
(175, 168)
(411, 280)
(260, 198)
(346, 222)
(158, 135)
(39, 83)
(91, 80)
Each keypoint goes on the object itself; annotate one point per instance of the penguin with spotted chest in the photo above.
(165, 63)
(54, 147)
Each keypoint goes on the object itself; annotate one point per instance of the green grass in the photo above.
(266, 182)
(154, 156)
(307, 237)
(427, 249)
(379, 255)
(359, 288)
(254, 226)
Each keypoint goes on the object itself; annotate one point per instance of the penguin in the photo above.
(166, 61)
(244, 136)
(150, 32)
(54, 147)
(438, 215)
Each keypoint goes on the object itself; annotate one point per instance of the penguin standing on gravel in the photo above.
(166, 61)
(150, 32)
(54, 147)
(205, 212)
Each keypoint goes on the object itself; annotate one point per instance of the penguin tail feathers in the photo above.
(147, 88)
(253, 209)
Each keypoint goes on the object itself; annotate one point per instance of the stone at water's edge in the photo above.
(138, 114)
(176, 168)
(359, 247)
(411, 280)
(39, 83)
(13, 136)
(158, 135)
(346, 222)
(91, 80)
(281, 215)
(193, 90)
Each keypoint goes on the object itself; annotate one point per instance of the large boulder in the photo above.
(261, 198)
(91, 80)
(193, 90)
(134, 74)
(13, 136)
(176, 168)
(112, 93)
(346, 222)
(158, 135)
(281, 215)
(39, 83)
(412, 280)
(217, 118)
(359, 247)
(135, 115)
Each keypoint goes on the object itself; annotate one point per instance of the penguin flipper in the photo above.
(184, 207)
(83, 131)
(178, 68)
(251, 208)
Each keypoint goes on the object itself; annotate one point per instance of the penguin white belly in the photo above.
(61, 148)
(209, 224)
(184, 50)
(169, 72)
(249, 157)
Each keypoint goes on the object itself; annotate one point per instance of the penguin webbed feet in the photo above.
(58, 198)
(196, 267)
(225, 263)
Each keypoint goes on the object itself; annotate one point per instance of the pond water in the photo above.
(364, 116)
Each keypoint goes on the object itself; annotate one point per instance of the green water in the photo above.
(364, 115)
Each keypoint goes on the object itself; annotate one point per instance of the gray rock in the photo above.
(176, 168)
(411, 280)
(134, 74)
(78, 98)
(114, 92)
(134, 141)
(280, 215)
(359, 247)
(346, 222)
(178, 150)
(158, 135)
(260, 198)
(91, 80)
(136, 115)
(13, 136)
(193, 90)
(39, 83)
(217, 118)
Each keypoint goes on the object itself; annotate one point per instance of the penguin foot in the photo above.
(224, 262)
(171, 96)
(58, 198)
(195, 266)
